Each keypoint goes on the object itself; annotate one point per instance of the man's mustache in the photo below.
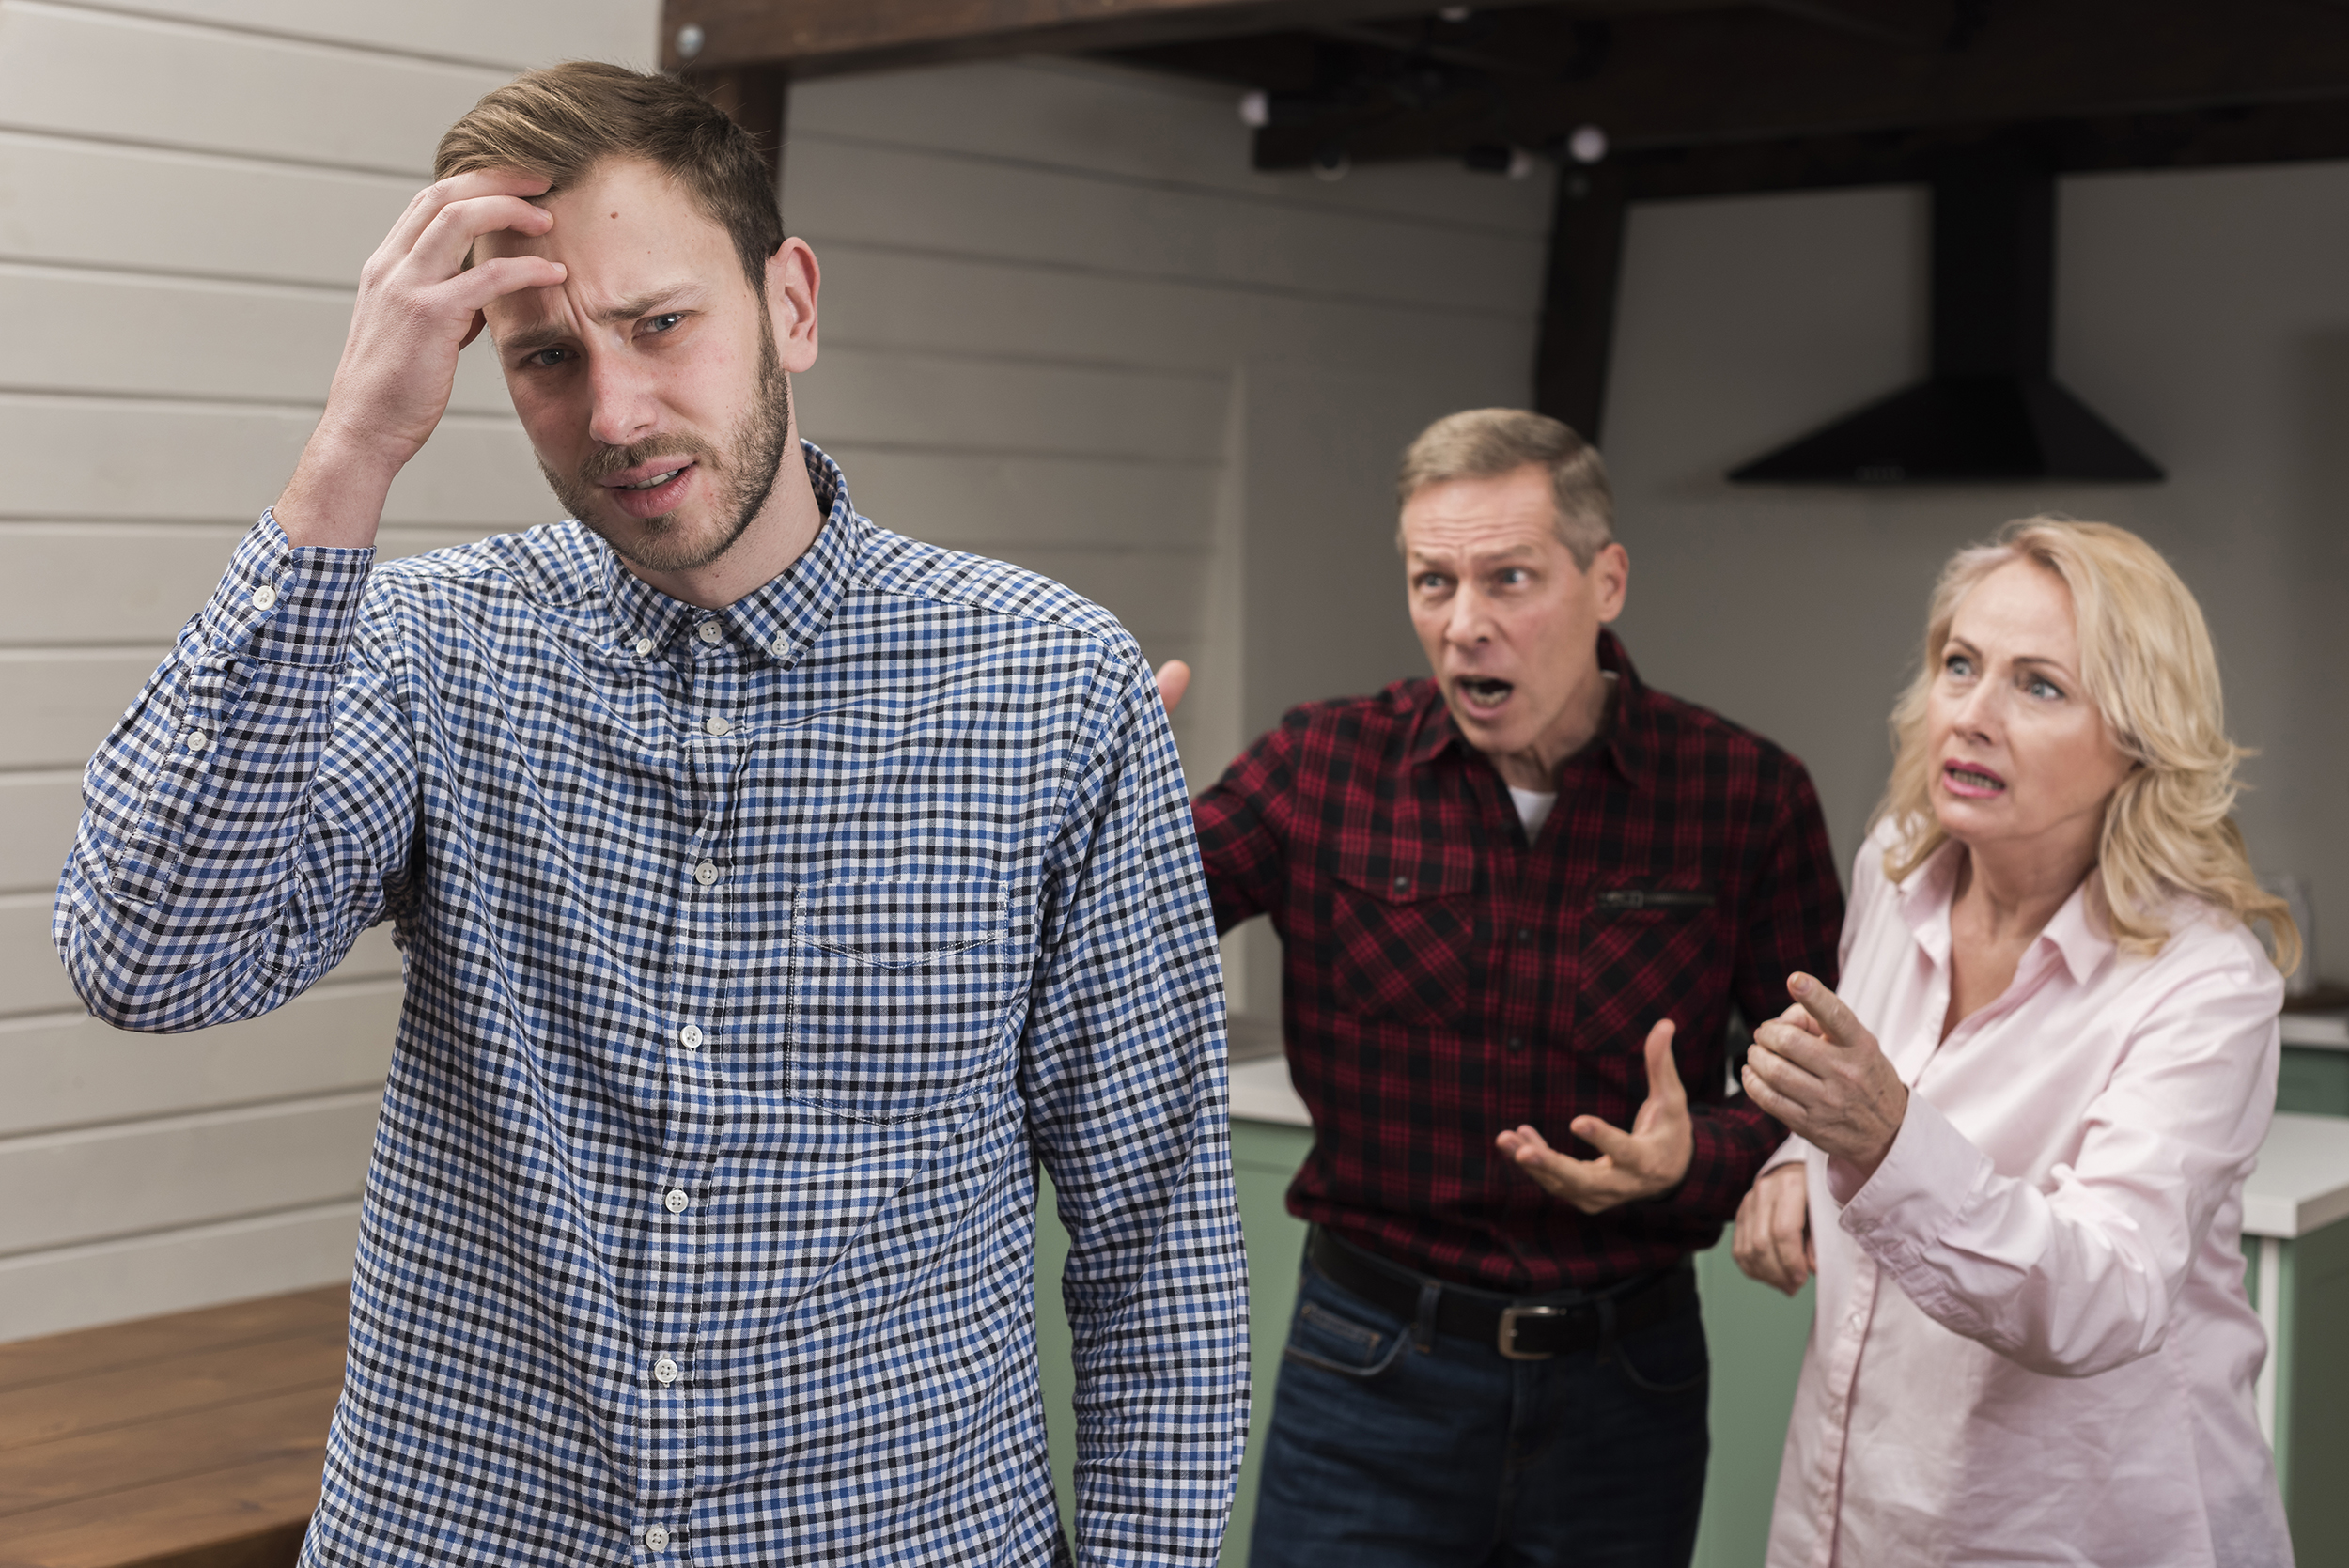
(608, 460)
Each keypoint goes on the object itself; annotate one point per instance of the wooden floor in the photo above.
(189, 1441)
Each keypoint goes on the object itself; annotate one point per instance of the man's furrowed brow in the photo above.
(546, 335)
(675, 296)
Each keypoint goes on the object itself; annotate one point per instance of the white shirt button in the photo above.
(781, 646)
(690, 1036)
(719, 727)
(643, 647)
(664, 1370)
(706, 872)
(656, 1539)
(677, 1201)
(708, 631)
(197, 741)
(264, 598)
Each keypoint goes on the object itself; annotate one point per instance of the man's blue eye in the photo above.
(662, 323)
(546, 358)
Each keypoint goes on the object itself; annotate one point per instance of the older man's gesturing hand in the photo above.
(1651, 1158)
(1817, 1069)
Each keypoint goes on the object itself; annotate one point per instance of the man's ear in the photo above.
(792, 282)
(1610, 580)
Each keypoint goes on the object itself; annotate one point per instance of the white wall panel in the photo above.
(944, 203)
(106, 1281)
(111, 77)
(879, 399)
(963, 305)
(995, 505)
(134, 1177)
(98, 584)
(91, 204)
(56, 703)
(137, 335)
(39, 810)
(145, 461)
(511, 34)
(77, 1072)
(1157, 594)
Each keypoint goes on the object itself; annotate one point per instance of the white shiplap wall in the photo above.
(1062, 323)
(187, 191)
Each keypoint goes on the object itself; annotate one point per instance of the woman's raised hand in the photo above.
(1818, 1070)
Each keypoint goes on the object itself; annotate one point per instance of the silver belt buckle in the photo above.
(1508, 1338)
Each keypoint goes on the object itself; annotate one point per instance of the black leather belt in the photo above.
(1522, 1328)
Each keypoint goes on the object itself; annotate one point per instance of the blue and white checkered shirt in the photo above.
(751, 955)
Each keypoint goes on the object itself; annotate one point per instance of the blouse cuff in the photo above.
(1928, 1177)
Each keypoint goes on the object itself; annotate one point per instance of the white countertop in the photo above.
(1261, 1092)
(2320, 1031)
(2302, 1183)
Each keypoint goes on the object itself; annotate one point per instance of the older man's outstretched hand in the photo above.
(1651, 1158)
(1817, 1069)
(1173, 680)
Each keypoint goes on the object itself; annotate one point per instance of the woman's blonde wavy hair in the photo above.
(2147, 661)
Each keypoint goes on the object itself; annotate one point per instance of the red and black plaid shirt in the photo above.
(1445, 979)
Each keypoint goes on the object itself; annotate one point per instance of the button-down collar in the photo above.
(776, 620)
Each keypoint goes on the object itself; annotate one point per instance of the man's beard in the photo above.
(744, 476)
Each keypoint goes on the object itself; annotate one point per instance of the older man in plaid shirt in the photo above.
(1518, 901)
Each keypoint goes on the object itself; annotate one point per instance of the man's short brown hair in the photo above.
(560, 123)
(1484, 443)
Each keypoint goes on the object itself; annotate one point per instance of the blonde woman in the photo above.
(2022, 1129)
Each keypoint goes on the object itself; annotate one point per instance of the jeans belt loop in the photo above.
(1423, 1321)
(1506, 1341)
(1605, 1327)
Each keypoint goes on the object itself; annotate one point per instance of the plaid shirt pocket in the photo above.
(1402, 935)
(899, 992)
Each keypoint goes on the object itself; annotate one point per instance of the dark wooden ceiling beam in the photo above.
(1749, 74)
(2196, 138)
(826, 37)
(757, 98)
(1903, 24)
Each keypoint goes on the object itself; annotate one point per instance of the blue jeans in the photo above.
(1385, 1455)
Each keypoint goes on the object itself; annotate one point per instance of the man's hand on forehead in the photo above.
(419, 303)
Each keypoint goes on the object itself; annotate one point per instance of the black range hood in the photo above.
(1991, 410)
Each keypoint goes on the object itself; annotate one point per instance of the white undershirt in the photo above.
(1532, 808)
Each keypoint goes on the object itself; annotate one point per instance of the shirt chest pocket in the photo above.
(1644, 937)
(1401, 935)
(899, 992)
